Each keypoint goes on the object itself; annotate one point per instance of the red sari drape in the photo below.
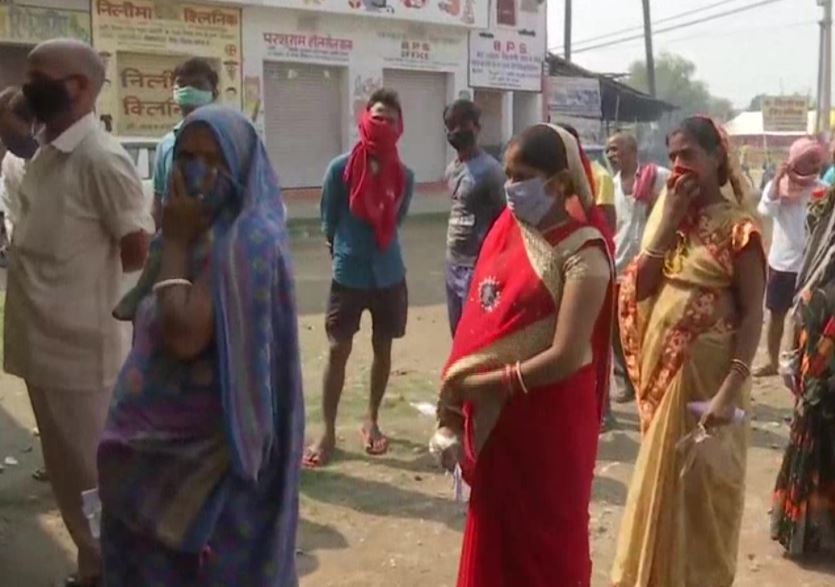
(531, 484)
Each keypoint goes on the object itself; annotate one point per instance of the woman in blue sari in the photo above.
(199, 462)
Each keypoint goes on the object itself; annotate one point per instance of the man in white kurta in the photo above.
(83, 221)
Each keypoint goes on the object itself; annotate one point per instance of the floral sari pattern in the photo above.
(681, 526)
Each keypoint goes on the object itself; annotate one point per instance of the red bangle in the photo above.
(507, 380)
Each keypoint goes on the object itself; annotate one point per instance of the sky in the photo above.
(772, 49)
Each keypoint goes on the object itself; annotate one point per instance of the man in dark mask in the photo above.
(84, 223)
(16, 124)
(476, 185)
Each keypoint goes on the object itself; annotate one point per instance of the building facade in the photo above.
(143, 41)
(304, 69)
(25, 24)
(311, 65)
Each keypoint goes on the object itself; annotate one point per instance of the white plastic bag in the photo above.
(713, 450)
(91, 506)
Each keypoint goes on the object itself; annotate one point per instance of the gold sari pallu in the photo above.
(682, 530)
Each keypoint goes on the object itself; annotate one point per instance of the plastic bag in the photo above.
(713, 450)
(91, 506)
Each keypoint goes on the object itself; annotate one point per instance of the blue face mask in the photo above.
(188, 97)
(219, 195)
(527, 200)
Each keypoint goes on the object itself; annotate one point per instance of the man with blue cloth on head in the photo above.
(195, 85)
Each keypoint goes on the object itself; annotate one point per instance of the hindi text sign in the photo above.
(505, 60)
(29, 25)
(143, 42)
(308, 48)
(785, 114)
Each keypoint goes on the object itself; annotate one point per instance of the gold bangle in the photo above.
(741, 367)
(520, 378)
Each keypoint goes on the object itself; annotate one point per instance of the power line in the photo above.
(680, 25)
(730, 33)
(654, 24)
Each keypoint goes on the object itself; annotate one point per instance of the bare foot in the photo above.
(319, 454)
(374, 441)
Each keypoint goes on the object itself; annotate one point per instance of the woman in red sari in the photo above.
(520, 403)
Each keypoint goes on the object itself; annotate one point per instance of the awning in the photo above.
(620, 102)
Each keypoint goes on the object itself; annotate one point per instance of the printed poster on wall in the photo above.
(506, 60)
(432, 51)
(29, 25)
(142, 41)
(574, 96)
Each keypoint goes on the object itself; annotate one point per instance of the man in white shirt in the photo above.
(637, 187)
(16, 122)
(83, 222)
(786, 201)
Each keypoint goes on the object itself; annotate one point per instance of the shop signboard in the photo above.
(432, 50)
(505, 60)
(142, 42)
(785, 113)
(30, 25)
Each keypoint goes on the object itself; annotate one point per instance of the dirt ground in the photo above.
(391, 521)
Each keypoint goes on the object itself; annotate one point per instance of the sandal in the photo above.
(374, 441)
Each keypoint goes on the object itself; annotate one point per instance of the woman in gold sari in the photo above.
(691, 315)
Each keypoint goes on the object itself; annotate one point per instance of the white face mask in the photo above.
(527, 200)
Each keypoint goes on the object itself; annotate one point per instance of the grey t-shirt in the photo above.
(477, 190)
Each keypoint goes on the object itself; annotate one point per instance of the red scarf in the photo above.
(376, 198)
(645, 183)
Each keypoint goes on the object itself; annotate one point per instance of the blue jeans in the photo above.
(458, 278)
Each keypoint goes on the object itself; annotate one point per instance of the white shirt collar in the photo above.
(68, 140)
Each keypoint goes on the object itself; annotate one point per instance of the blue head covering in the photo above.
(162, 431)
(256, 328)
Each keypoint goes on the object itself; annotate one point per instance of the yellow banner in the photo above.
(28, 25)
(143, 41)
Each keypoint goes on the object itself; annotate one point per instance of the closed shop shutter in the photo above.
(303, 120)
(423, 96)
(490, 103)
(12, 65)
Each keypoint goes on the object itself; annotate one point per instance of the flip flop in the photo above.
(377, 447)
(313, 459)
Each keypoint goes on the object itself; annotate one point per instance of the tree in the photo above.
(756, 103)
(675, 84)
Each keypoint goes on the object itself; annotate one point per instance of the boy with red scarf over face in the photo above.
(365, 197)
